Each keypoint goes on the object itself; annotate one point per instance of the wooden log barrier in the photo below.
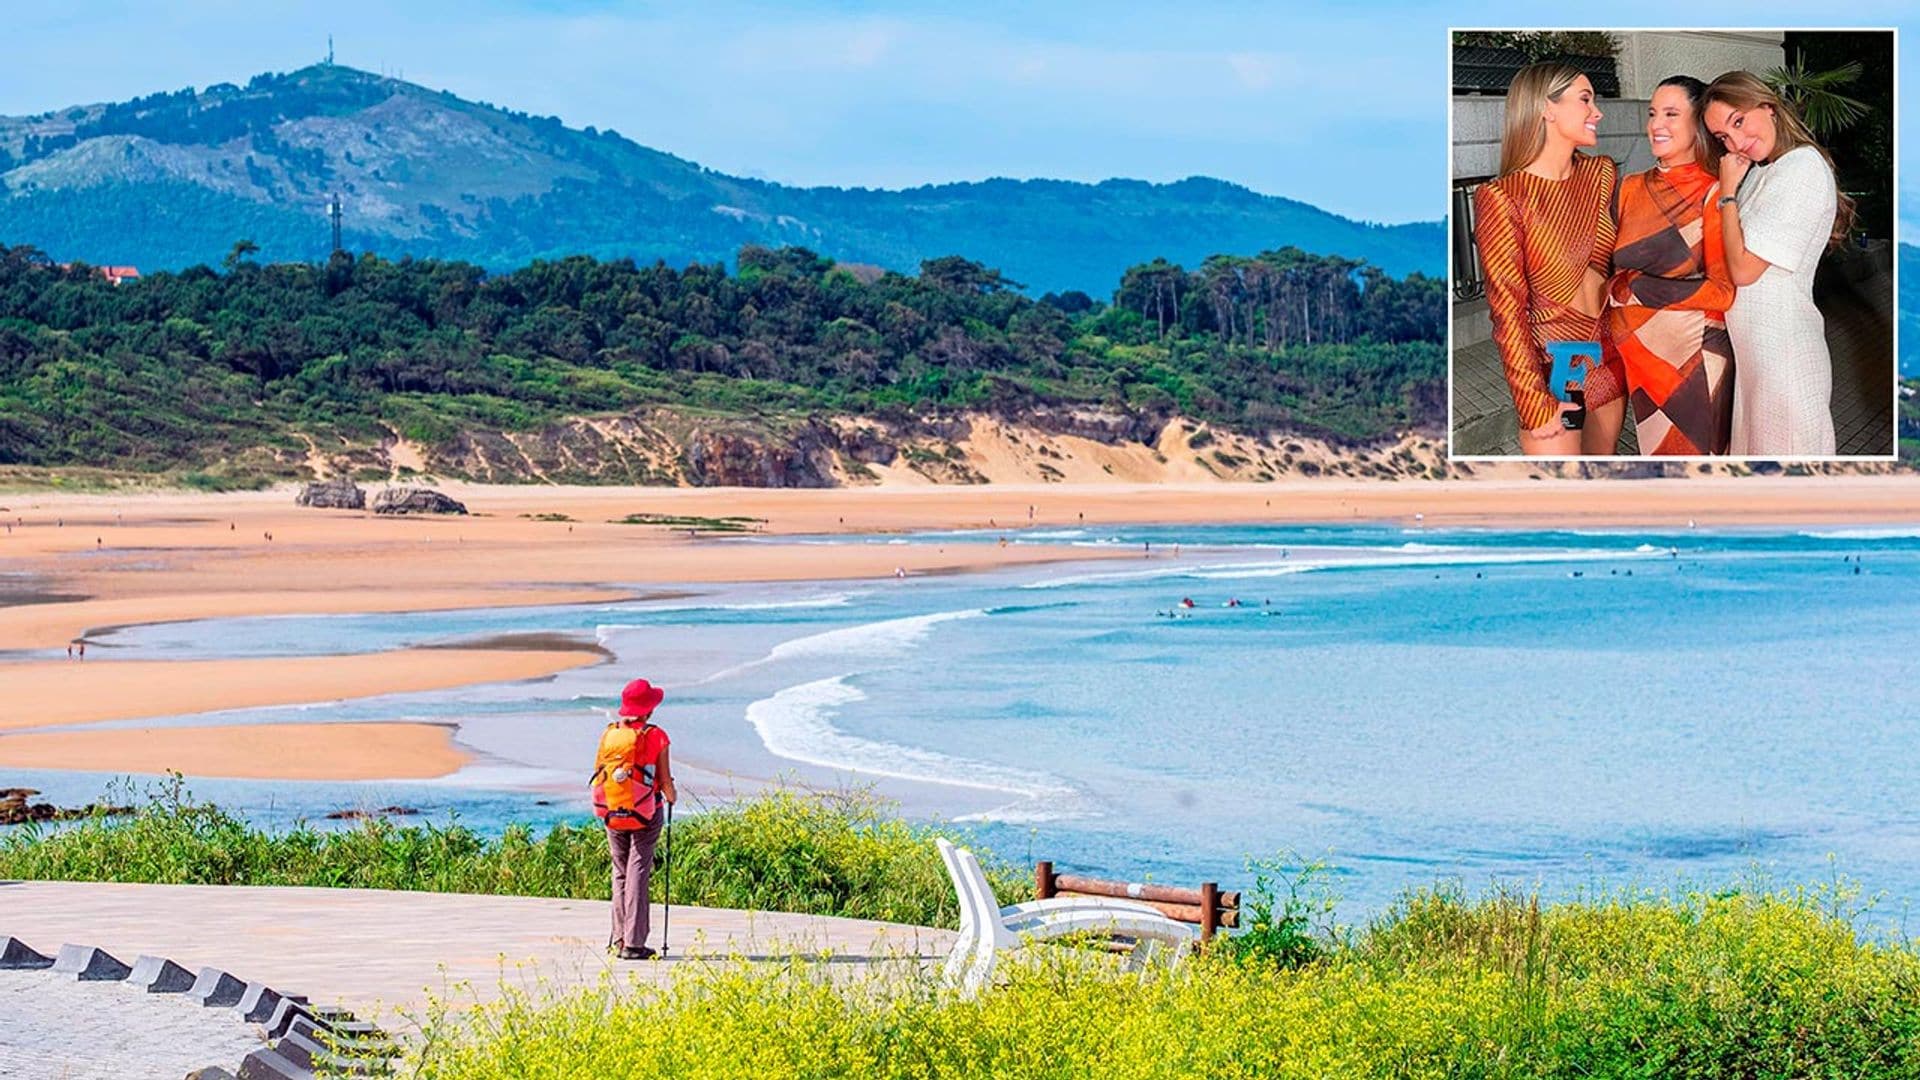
(1206, 906)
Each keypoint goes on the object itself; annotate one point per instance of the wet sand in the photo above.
(397, 751)
(46, 693)
(93, 562)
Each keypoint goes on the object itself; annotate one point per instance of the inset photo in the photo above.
(1672, 243)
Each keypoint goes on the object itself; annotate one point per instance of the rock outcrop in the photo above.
(724, 458)
(1109, 426)
(413, 500)
(15, 809)
(337, 494)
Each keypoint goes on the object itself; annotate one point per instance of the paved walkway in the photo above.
(56, 1027)
(375, 951)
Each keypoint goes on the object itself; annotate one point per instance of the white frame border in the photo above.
(1894, 240)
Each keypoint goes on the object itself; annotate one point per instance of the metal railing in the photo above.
(1467, 283)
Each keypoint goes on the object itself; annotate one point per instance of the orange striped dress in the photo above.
(1537, 237)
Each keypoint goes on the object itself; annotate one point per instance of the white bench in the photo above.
(987, 929)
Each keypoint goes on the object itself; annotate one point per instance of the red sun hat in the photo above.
(640, 698)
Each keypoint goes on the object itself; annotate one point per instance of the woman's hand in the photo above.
(668, 793)
(1733, 169)
(1554, 426)
(1620, 290)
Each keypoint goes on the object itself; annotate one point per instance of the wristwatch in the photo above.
(1725, 199)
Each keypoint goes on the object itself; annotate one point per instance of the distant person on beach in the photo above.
(632, 777)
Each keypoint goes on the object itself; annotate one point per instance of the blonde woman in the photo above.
(1779, 209)
(1545, 233)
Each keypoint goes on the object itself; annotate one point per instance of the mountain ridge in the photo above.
(171, 179)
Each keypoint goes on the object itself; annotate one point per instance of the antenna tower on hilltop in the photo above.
(333, 212)
(330, 51)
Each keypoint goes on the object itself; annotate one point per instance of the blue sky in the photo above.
(1334, 104)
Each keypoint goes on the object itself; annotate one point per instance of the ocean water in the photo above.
(1541, 709)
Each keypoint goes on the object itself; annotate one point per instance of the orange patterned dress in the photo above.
(1537, 238)
(1666, 311)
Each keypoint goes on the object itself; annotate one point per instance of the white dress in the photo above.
(1782, 375)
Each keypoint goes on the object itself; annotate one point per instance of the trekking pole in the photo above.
(666, 921)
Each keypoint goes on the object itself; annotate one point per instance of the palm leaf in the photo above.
(1816, 95)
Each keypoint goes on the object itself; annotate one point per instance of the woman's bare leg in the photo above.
(1601, 436)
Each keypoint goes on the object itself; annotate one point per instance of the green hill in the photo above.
(173, 179)
(253, 371)
(1909, 308)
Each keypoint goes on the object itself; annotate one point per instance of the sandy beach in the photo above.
(74, 567)
(385, 751)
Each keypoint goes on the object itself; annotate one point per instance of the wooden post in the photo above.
(1209, 909)
(1043, 880)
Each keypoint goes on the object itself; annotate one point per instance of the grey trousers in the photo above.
(632, 874)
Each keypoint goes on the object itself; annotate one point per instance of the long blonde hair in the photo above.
(1524, 134)
(1743, 90)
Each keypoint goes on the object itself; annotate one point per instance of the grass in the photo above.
(706, 524)
(814, 853)
(1751, 981)
(1737, 984)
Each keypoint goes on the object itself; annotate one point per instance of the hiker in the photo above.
(631, 776)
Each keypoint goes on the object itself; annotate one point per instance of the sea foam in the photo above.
(1385, 559)
(797, 724)
(1891, 532)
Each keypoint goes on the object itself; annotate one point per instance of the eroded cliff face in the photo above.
(1059, 445)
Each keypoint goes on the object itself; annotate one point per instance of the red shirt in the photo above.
(648, 745)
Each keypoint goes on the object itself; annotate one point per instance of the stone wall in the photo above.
(1647, 56)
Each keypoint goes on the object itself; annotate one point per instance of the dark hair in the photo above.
(1695, 90)
(1694, 87)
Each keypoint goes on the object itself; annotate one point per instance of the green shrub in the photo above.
(1739, 985)
(810, 852)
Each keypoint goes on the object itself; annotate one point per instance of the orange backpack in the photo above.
(627, 803)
